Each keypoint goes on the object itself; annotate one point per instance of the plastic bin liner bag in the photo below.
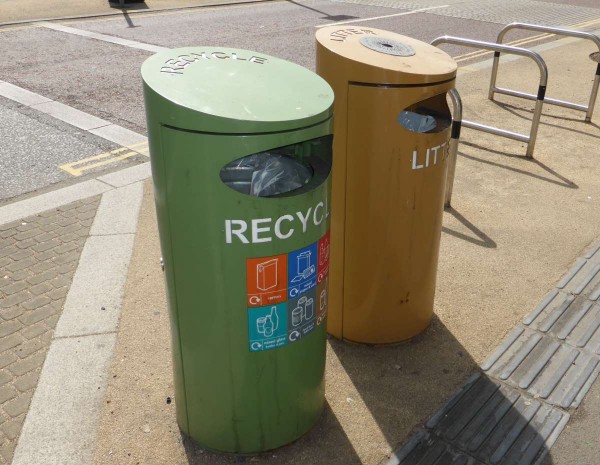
(415, 122)
(265, 174)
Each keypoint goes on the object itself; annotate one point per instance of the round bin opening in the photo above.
(266, 174)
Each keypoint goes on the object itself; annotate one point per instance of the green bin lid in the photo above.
(223, 90)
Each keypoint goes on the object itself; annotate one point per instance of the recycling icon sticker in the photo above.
(267, 327)
(287, 295)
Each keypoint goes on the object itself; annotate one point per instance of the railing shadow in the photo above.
(515, 111)
(562, 181)
(481, 238)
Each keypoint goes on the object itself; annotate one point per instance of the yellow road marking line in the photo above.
(588, 23)
(467, 69)
(519, 42)
(77, 168)
(515, 43)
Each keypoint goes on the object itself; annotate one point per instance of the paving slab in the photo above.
(114, 215)
(71, 388)
(51, 200)
(39, 257)
(20, 95)
(579, 442)
(70, 115)
(128, 175)
(120, 135)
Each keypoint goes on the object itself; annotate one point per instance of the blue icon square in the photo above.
(302, 270)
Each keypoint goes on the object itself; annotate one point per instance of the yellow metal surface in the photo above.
(77, 168)
(429, 64)
(388, 184)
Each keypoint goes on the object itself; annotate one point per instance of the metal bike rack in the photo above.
(453, 145)
(529, 139)
(589, 109)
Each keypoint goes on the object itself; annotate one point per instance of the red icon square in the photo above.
(323, 253)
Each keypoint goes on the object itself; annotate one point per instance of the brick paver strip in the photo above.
(4, 378)
(38, 257)
(6, 359)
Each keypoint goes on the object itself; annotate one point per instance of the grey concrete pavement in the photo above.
(34, 145)
(516, 227)
(47, 141)
(102, 79)
(17, 11)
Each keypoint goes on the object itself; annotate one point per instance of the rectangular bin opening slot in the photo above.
(427, 116)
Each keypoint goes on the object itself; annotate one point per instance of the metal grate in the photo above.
(387, 46)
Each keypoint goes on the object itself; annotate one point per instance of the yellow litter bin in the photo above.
(391, 131)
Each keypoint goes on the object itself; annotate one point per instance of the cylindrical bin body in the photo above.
(240, 145)
(392, 128)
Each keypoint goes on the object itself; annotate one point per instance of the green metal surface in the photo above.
(230, 397)
(235, 91)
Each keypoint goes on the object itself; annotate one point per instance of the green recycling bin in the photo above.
(240, 146)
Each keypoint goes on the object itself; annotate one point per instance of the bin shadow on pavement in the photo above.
(326, 443)
(409, 387)
(378, 396)
(375, 396)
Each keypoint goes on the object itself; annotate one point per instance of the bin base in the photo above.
(379, 341)
(208, 448)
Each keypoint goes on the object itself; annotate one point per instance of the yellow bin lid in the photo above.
(370, 55)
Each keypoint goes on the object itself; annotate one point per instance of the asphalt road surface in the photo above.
(102, 78)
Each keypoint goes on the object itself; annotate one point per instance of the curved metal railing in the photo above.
(529, 139)
(453, 145)
(589, 109)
